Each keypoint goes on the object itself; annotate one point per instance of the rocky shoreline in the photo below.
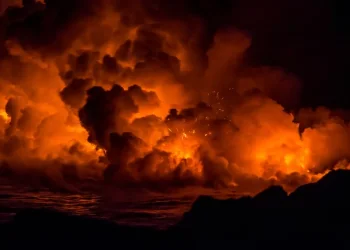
(315, 216)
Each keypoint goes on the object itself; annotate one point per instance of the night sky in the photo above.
(308, 38)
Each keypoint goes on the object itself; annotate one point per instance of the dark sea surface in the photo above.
(128, 207)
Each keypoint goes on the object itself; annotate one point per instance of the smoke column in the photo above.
(152, 94)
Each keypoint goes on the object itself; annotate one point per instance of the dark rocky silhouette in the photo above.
(315, 216)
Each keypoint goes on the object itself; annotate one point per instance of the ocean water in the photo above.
(127, 207)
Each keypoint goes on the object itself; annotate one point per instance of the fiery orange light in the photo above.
(285, 158)
(5, 116)
(49, 91)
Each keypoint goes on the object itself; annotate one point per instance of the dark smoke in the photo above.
(172, 93)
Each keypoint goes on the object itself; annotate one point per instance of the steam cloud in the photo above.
(151, 94)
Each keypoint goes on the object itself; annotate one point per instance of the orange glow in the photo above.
(139, 97)
(287, 160)
(4, 116)
(182, 148)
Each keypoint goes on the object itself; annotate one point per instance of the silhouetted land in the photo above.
(315, 216)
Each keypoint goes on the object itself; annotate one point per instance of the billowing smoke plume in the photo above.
(146, 93)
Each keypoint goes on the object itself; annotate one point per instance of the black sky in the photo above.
(308, 38)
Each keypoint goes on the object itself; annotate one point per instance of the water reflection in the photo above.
(125, 207)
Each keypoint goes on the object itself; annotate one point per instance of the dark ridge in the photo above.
(42, 229)
(315, 216)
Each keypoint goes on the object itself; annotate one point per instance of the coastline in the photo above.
(314, 216)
